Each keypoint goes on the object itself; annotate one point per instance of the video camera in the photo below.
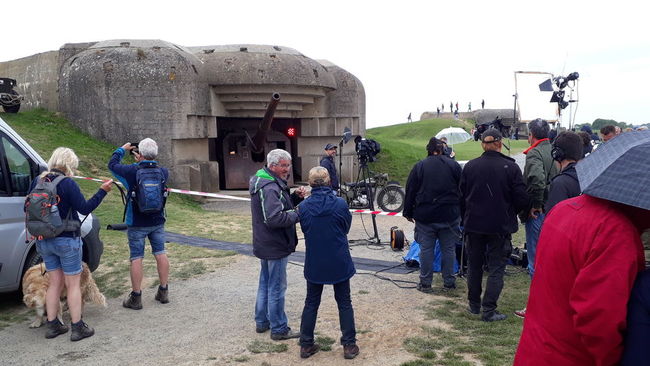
(367, 149)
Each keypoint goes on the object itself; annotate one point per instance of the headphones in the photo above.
(557, 153)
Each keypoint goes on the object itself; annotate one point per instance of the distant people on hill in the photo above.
(608, 132)
(408, 119)
(456, 106)
(469, 107)
(482, 103)
(451, 107)
(442, 107)
(438, 112)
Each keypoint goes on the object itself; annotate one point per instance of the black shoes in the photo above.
(134, 301)
(163, 295)
(306, 352)
(473, 311)
(80, 331)
(424, 288)
(286, 335)
(261, 329)
(493, 316)
(55, 328)
(446, 288)
(350, 351)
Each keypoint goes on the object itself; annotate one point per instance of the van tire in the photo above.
(33, 259)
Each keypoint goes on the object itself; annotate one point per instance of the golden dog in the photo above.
(36, 282)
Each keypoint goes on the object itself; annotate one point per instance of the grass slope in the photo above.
(402, 145)
(45, 131)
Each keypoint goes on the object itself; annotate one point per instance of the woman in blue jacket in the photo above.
(325, 220)
(62, 254)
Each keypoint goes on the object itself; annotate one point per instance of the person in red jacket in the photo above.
(589, 254)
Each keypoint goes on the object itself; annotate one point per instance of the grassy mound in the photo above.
(402, 145)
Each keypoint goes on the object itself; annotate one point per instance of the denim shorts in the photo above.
(136, 235)
(61, 253)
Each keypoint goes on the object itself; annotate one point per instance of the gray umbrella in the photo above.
(619, 170)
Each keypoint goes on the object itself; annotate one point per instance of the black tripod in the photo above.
(363, 175)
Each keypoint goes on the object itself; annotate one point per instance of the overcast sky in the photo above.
(411, 56)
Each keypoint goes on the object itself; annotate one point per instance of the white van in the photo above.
(19, 165)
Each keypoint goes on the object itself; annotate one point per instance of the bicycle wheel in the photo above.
(391, 199)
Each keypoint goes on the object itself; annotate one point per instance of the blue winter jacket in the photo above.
(325, 220)
(126, 175)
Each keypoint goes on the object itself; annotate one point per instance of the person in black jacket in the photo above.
(493, 191)
(274, 218)
(432, 201)
(327, 162)
(567, 150)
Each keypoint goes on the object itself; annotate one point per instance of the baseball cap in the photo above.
(494, 133)
(330, 146)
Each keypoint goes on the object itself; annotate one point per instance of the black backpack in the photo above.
(150, 191)
(42, 217)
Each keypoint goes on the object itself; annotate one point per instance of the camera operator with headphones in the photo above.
(567, 150)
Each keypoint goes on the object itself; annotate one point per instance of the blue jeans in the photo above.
(533, 228)
(448, 234)
(310, 312)
(269, 307)
(136, 236)
(61, 252)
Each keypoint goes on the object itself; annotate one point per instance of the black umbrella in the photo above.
(619, 170)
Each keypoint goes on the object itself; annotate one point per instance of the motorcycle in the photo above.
(389, 194)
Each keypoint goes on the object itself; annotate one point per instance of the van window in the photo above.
(19, 172)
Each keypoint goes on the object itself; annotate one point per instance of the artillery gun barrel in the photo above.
(259, 139)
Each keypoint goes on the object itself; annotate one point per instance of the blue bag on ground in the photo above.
(412, 258)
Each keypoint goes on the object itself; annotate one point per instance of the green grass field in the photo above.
(45, 131)
(463, 341)
(402, 145)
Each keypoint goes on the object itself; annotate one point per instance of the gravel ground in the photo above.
(209, 319)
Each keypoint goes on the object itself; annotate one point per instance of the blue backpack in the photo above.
(150, 191)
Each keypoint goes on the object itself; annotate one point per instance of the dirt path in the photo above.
(210, 320)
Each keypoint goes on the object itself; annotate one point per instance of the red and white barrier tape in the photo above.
(182, 191)
(217, 195)
(377, 212)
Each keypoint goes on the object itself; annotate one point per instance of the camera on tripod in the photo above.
(367, 149)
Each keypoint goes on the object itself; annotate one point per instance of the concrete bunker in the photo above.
(202, 104)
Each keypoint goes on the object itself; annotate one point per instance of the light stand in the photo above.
(347, 135)
(364, 176)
